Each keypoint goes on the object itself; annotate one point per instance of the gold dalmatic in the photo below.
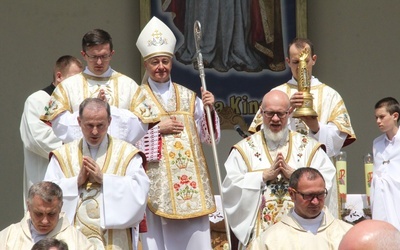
(303, 86)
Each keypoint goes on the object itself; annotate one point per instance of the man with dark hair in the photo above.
(44, 219)
(50, 244)
(385, 186)
(97, 37)
(130, 121)
(309, 224)
(103, 180)
(38, 137)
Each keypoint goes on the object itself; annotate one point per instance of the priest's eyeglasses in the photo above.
(104, 58)
(271, 114)
(310, 197)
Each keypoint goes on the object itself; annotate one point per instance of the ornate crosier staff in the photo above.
(197, 36)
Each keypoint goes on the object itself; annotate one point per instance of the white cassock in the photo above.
(122, 199)
(385, 186)
(38, 140)
(120, 92)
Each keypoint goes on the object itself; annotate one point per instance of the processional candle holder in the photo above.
(304, 85)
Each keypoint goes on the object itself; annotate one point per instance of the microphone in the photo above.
(240, 131)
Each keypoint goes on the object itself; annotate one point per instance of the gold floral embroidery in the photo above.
(181, 157)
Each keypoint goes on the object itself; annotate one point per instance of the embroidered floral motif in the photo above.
(185, 188)
(299, 155)
(346, 120)
(279, 190)
(271, 209)
(253, 147)
(145, 110)
(49, 109)
(304, 142)
(181, 157)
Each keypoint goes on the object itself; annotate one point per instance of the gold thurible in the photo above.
(303, 85)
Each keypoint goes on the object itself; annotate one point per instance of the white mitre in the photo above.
(156, 39)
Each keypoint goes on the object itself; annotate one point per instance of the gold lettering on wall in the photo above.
(233, 111)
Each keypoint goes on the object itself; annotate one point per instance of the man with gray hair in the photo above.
(44, 219)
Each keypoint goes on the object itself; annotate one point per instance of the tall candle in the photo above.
(341, 168)
(368, 169)
(341, 174)
(368, 177)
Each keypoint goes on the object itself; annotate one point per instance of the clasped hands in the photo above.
(102, 95)
(89, 171)
(278, 167)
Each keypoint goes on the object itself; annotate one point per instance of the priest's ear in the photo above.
(58, 78)
(396, 117)
(60, 205)
(292, 193)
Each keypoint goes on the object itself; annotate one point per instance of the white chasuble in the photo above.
(252, 205)
(275, 199)
(113, 157)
